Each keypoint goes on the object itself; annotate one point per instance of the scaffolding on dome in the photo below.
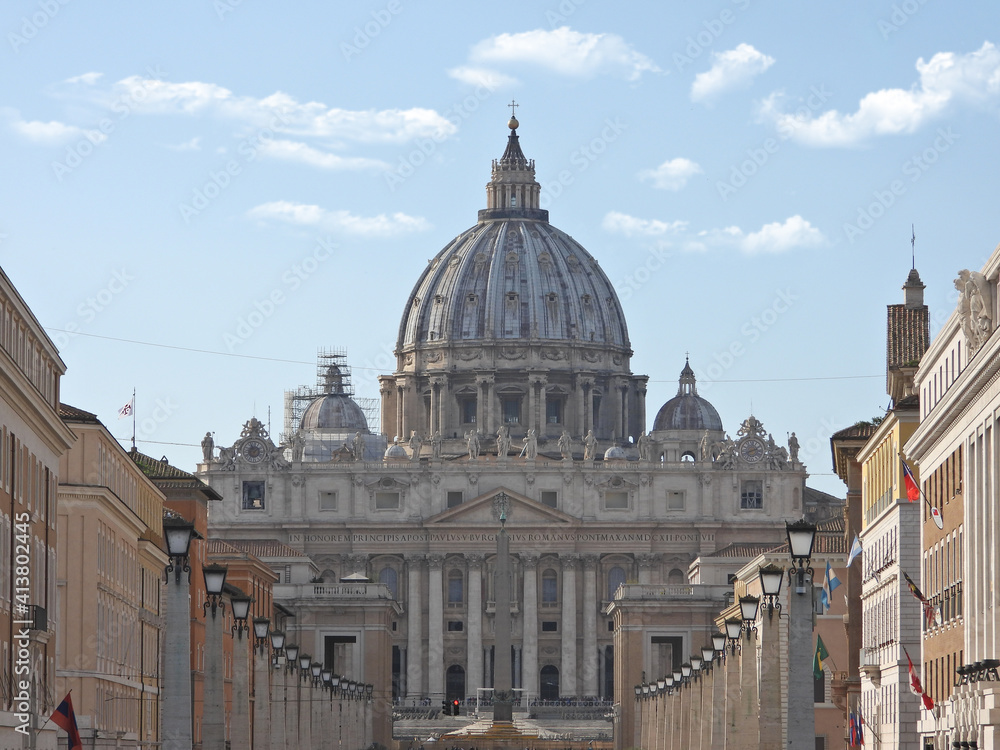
(333, 375)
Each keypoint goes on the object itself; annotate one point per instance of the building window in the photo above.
(820, 743)
(550, 626)
(253, 496)
(553, 410)
(550, 498)
(675, 500)
(675, 577)
(454, 498)
(616, 500)
(752, 494)
(550, 587)
(469, 410)
(328, 501)
(390, 579)
(386, 501)
(616, 577)
(819, 688)
(455, 626)
(510, 407)
(455, 587)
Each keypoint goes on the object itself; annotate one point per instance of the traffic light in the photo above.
(454, 707)
(445, 708)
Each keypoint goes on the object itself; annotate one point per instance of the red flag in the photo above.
(915, 687)
(64, 718)
(912, 490)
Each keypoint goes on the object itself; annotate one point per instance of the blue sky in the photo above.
(260, 180)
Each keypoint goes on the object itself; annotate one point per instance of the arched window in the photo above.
(676, 576)
(616, 577)
(549, 683)
(455, 683)
(550, 587)
(389, 578)
(456, 588)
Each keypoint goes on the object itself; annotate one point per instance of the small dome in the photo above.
(396, 452)
(334, 411)
(687, 410)
(615, 453)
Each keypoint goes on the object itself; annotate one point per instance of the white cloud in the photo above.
(305, 154)
(86, 78)
(279, 112)
(777, 237)
(673, 174)
(339, 221)
(631, 226)
(730, 69)
(567, 52)
(193, 145)
(473, 76)
(51, 133)
(947, 77)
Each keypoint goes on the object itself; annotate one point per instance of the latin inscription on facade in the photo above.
(541, 536)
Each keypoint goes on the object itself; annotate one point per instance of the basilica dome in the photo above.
(687, 410)
(335, 409)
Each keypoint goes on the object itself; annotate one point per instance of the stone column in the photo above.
(488, 661)
(239, 720)
(278, 708)
(213, 722)
(517, 667)
(432, 418)
(641, 406)
(770, 682)
(695, 688)
(474, 672)
(261, 699)
(589, 614)
(719, 703)
(732, 727)
(401, 409)
(435, 628)
(801, 711)
(304, 692)
(529, 627)
(177, 665)
(414, 630)
(646, 564)
(615, 392)
(567, 673)
(748, 733)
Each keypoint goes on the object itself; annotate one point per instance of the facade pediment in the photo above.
(523, 512)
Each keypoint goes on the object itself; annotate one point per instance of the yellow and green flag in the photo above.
(820, 655)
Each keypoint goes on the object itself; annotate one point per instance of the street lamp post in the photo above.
(801, 710)
(213, 721)
(177, 637)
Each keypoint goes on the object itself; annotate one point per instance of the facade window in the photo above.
(455, 626)
(752, 494)
(456, 587)
(454, 498)
(253, 496)
(616, 577)
(386, 501)
(510, 407)
(819, 688)
(550, 587)
(616, 500)
(553, 410)
(550, 498)
(469, 410)
(550, 626)
(675, 577)
(675, 500)
(389, 577)
(328, 501)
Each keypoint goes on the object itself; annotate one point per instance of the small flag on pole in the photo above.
(830, 582)
(855, 550)
(915, 687)
(912, 489)
(930, 611)
(857, 734)
(126, 410)
(818, 657)
(64, 718)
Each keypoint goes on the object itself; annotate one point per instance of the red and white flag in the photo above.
(915, 687)
(912, 489)
(126, 410)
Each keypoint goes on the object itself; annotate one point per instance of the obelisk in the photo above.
(502, 697)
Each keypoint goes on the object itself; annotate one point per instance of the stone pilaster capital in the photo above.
(439, 381)
(475, 560)
(484, 380)
(530, 562)
(647, 561)
(415, 559)
(589, 561)
(435, 562)
(569, 561)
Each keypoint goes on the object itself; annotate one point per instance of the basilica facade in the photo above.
(512, 376)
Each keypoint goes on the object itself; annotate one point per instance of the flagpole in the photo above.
(133, 418)
(921, 492)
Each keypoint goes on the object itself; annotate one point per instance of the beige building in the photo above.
(110, 565)
(32, 440)
(512, 377)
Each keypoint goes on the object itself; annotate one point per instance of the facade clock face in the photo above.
(751, 450)
(253, 451)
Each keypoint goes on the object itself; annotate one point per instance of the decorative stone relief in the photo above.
(975, 308)
(553, 354)
(512, 352)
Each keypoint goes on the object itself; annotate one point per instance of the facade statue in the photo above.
(975, 309)
(416, 443)
(503, 442)
(358, 444)
(589, 446)
(227, 457)
(727, 453)
(530, 449)
(565, 445)
(298, 444)
(793, 448)
(472, 441)
(705, 448)
(437, 442)
(277, 458)
(645, 446)
(207, 448)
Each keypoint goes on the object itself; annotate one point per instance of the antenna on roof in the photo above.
(913, 246)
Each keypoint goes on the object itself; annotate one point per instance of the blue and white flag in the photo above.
(830, 582)
(855, 550)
